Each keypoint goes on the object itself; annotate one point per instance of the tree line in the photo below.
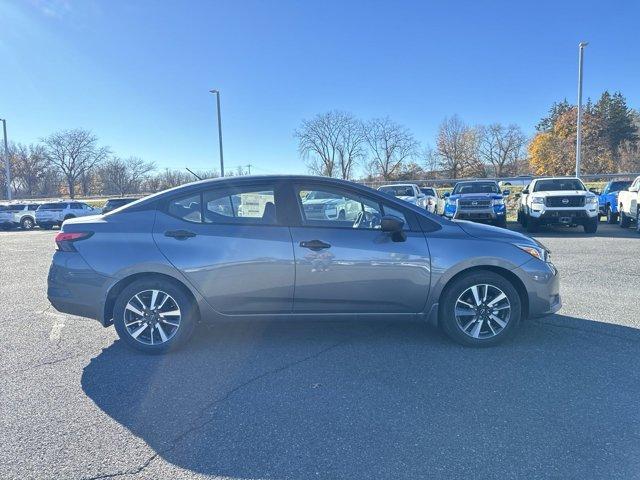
(73, 162)
(338, 144)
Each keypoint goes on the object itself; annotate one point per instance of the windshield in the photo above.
(475, 187)
(4, 208)
(558, 184)
(397, 190)
(617, 186)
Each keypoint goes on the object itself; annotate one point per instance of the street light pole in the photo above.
(579, 127)
(217, 94)
(7, 165)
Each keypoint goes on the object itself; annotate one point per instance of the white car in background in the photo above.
(558, 201)
(410, 192)
(629, 205)
(22, 214)
(51, 214)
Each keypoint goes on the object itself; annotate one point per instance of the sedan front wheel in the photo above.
(480, 309)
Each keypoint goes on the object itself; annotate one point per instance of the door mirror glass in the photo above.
(594, 190)
(525, 191)
(506, 193)
(446, 195)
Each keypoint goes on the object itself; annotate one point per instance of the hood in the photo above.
(476, 196)
(480, 230)
(320, 201)
(562, 193)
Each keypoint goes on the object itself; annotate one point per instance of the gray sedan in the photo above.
(245, 248)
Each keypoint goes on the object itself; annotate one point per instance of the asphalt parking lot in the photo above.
(328, 400)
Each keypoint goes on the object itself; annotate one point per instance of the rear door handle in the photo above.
(314, 245)
(179, 234)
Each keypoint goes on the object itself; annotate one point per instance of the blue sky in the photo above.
(137, 73)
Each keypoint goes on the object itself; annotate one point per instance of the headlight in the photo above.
(498, 201)
(592, 200)
(538, 200)
(535, 251)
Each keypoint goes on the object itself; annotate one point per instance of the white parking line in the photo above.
(58, 325)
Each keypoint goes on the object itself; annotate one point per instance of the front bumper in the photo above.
(490, 214)
(73, 287)
(542, 282)
(564, 216)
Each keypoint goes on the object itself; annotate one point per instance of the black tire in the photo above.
(638, 219)
(46, 226)
(342, 215)
(625, 221)
(502, 222)
(27, 223)
(68, 217)
(612, 218)
(531, 224)
(591, 226)
(447, 318)
(188, 314)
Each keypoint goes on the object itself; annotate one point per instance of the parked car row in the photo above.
(27, 215)
(563, 201)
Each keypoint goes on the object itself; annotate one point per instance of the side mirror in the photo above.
(393, 225)
(633, 189)
(525, 191)
(506, 193)
(594, 190)
(446, 195)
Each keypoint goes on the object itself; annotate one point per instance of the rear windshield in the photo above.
(617, 186)
(16, 207)
(51, 206)
(476, 187)
(397, 191)
(558, 184)
(4, 208)
(428, 191)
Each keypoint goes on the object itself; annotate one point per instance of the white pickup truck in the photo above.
(629, 205)
(558, 201)
(411, 193)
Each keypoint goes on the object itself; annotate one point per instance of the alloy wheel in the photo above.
(152, 317)
(482, 311)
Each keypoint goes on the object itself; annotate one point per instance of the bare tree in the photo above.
(29, 166)
(390, 144)
(501, 147)
(73, 153)
(457, 148)
(124, 176)
(332, 143)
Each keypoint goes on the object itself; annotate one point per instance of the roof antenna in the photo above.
(193, 173)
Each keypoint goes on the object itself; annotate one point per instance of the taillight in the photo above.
(65, 240)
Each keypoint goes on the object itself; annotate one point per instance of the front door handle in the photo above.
(179, 234)
(314, 245)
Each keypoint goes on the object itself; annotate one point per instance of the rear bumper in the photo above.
(542, 282)
(75, 288)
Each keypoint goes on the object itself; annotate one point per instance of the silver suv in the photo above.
(49, 215)
(18, 215)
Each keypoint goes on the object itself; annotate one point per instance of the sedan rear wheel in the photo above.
(480, 309)
(154, 315)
